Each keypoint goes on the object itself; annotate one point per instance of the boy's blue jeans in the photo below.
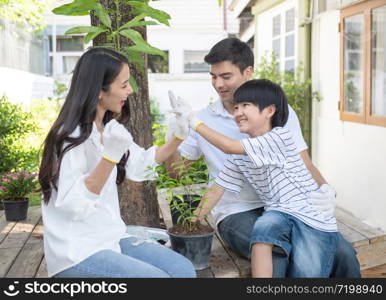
(236, 231)
(142, 260)
(310, 251)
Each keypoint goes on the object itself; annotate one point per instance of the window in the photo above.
(68, 51)
(66, 44)
(69, 63)
(283, 39)
(158, 63)
(194, 62)
(363, 63)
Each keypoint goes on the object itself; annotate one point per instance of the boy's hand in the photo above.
(194, 121)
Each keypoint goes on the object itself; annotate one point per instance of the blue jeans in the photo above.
(143, 260)
(236, 231)
(311, 252)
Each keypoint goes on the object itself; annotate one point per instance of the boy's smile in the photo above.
(251, 120)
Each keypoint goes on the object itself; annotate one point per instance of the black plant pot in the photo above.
(194, 247)
(15, 210)
(192, 202)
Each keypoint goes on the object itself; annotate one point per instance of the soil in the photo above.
(198, 228)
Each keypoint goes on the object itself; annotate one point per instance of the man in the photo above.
(231, 64)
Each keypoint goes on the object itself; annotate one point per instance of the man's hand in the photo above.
(178, 127)
(324, 200)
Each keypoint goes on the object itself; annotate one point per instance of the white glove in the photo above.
(179, 105)
(323, 200)
(171, 129)
(178, 127)
(194, 121)
(116, 140)
(183, 110)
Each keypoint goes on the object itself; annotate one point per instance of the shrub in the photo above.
(15, 126)
(297, 90)
(18, 185)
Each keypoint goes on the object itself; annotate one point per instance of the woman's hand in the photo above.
(184, 111)
(116, 140)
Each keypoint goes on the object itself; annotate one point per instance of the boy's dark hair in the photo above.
(263, 93)
(233, 50)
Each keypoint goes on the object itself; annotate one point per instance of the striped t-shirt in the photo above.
(277, 172)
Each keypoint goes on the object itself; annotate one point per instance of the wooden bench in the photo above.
(21, 247)
(369, 243)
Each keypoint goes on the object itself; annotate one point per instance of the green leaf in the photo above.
(83, 29)
(133, 35)
(153, 13)
(146, 49)
(76, 8)
(134, 57)
(133, 84)
(133, 20)
(103, 15)
(138, 24)
(219, 2)
(92, 35)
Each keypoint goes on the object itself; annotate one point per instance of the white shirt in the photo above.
(79, 223)
(277, 172)
(217, 117)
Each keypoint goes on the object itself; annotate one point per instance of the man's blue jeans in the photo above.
(236, 231)
(142, 260)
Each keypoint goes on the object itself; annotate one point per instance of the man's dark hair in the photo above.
(233, 50)
(263, 93)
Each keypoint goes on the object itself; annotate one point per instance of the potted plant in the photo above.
(14, 190)
(183, 194)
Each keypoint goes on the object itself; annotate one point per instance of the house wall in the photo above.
(194, 25)
(22, 64)
(351, 156)
(22, 86)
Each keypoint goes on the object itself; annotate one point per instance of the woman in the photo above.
(86, 154)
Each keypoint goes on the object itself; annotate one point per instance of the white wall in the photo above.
(22, 87)
(351, 156)
(194, 25)
(194, 88)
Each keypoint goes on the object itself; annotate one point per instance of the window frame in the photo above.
(365, 9)
(282, 36)
(187, 71)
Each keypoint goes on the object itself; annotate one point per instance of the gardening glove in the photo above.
(182, 109)
(194, 121)
(323, 200)
(179, 105)
(178, 127)
(171, 128)
(117, 140)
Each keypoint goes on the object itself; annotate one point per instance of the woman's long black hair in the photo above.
(94, 72)
(263, 93)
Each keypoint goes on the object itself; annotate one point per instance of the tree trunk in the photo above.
(138, 200)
